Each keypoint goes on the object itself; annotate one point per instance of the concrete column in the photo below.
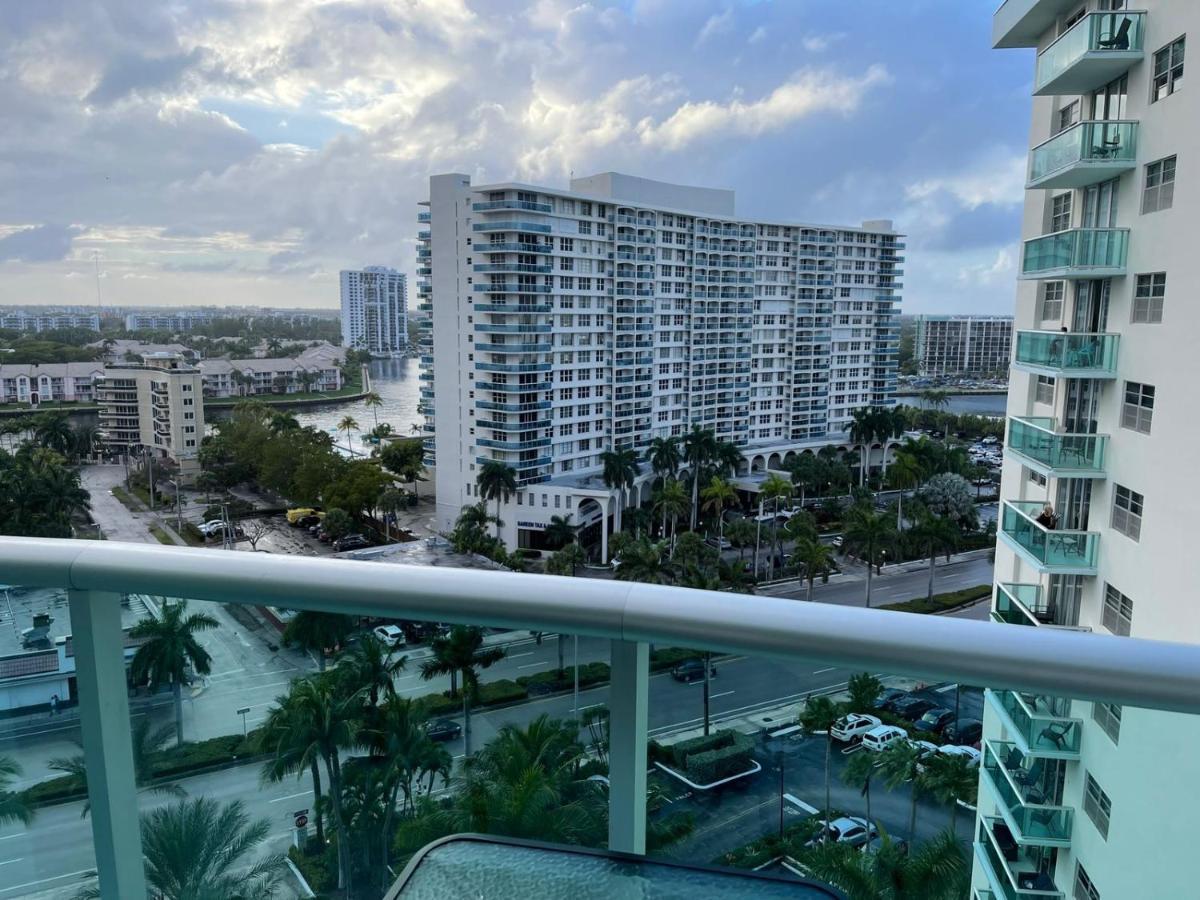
(628, 716)
(107, 746)
(604, 533)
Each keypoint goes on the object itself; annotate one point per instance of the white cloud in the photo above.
(758, 35)
(819, 43)
(997, 179)
(717, 24)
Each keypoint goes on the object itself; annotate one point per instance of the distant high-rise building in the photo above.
(49, 320)
(566, 323)
(963, 345)
(167, 321)
(375, 310)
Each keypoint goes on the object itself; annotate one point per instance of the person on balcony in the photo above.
(1048, 519)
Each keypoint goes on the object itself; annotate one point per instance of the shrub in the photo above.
(53, 790)
(713, 765)
(318, 868)
(941, 602)
(553, 680)
(683, 749)
(503, 691)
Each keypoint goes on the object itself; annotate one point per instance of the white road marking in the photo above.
(517, 655)
(949, 687)
(823, 671)
(290, 797)
(544, 662)
(796, 801)
(10, 861)
(17, 887)
(724, 694)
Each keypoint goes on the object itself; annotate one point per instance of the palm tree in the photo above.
(169, 648)
(374, 401)
(200, 848)
(867, 532)
(560, 531)
(564, 562)
(371, 665)
(860, 769)
(699, 448)
(950, 778)
(283, 421)
(906, 472)
(59, 493)
(933, 533)
(53, 431)
(288, 736)
(819, 714)
(496, 481)
(862, 431)
(702, 581)
(741, 534)
(83, 440)
(716, 496)
(620, 469)
(863, 689)
(348, 424)
(900, 764)
(663, 456)
(461, 652)
(671, 501)
(642, 560)
(148, 741)
(817, 559)
(807, 474)
(936, 869)
(13, 807)
(775, 488)
(391, 501)
(316, 632)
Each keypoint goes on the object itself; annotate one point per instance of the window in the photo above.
(1096, 804)
(1148, 298)
(1037, 478)
(1127, 512)
(1068, 115)
(1044, 389)
(1108, 715)
(1138, 408)
(1159, 193)
(1052, 300)
(1060, 213)
(1168, 71)
(1084, 888)
(1118, 611)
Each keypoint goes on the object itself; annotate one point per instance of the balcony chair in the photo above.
(1057, 733)
(1120, 40)
(1005, 841)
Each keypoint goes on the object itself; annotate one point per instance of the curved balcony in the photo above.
(1050, 551)
(1039, 725)
(512, 367)
(513, 445)
(512, 348)
(1099, 48)
(485, 328)
(534, 227)
(1067, 354)
(1015, 872)
(524, 205)
(513, 307)
(1025, 604)
(1056, 454)
(1075, 253)
(1086, 153)
(512, 407)
(529, 268)
(1024, 788)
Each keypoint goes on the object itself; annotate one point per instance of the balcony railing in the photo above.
(1028, 604)
(1067, 354)
(1086, 153)
(1095, 50)
(1021, 792)
(1040, 725)
(1076, 253)
(1049, 550)
(1014, 872)
(1054, 453)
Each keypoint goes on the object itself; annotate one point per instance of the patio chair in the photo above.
(1120, 40)
(1056, 733)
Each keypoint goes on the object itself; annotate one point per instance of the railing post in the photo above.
(628, 716)
(107, 745)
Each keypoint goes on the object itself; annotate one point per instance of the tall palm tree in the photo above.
(727, 457)
(933, 533)
(560, 531)
(817, 559)
(147, 740)
(950, 778)
(374, 401)
(371, 665)
(819, 714)
(391, 501)
(642, 560)
(703, 581)
(620, 470)
(905, 473)
(663, 456)
(288, 736)
(316, 632)
(348, 425)
(283, 421)
(867, 533)
(496, 481)
(671, 501)
(717, 495)
(862, 431)
(199, 848)
(59, 493)
(565, 562)
(860, 769)
(773, 489)
(741, 534)
(13, 807)
(699, 448)
(169, 648)
(53, 431)
(84, 439)
(900, 764)
(937, 869)
(461, 653)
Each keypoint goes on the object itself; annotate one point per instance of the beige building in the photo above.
(34, 384)
(157, 406)
(319, 368)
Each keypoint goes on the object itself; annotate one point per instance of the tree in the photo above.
(808, 473)
(52, 430)
(337, 523)
(671, 502)
(950, 777)
(288, 736)
(372, 666)
(565, 562)
(867, 533)
(716, 496)
(405, 459)
(819, 714)
(900, 764)
(933, 533)
(13, 807)
(817, 560)
(357, 487)
(391, 501)
(317, 632)
(169, 648)
(560, 532)
(461, 652)
(773, 489)
(199, 848)
(84, 439)
(496, 481)
(373, 401)
(663, 456)
(348, 424)
(148, 740)
(255, 530)
(642, 560)
(937, 869)
(620, 470)
(699, 448)
(906, 472)
(860, 769)
(864, 689)
(862, 430)
(741, 534)
(949, 495)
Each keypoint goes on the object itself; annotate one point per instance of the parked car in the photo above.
(881, 737)
(970, 753)
(295, 515)
(216, 528)
(886, 696)
(852, 830)
(926, 749)
(350, 542)
(935, 719)
(392, 635)
(719, 543)
(853, 726)
(965, 732)
(911, 708)
(442, 730)
(876, 844)
(307, 522)
(692, 670)
(207, 528)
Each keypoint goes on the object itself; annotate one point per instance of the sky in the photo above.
(243, 151)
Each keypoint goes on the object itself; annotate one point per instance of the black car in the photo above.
(442, 730)
(935, 719)
(887, 696)
(965, 733)
(307, 522)
(350, 542)
(911, 708)
(692, 670)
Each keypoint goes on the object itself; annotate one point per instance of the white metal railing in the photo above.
(1123, 670)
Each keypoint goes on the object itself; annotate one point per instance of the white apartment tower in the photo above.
(564, 323)
(375, 310)
(973, 346)
(1081, 799)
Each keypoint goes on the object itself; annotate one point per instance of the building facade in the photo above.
(33, 384)
(1082, 799)
(167, 321)
(319, 368)
(564, 323)
(50, 320)
(157, 407)
(375, 310)
(972, 346)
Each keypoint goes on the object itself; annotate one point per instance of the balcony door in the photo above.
(1100, 205)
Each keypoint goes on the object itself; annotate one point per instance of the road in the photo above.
(849, 588)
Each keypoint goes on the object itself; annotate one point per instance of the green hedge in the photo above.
(201, 754)
(942, 602)
(54, 790)
(589, 674)
(318, 869)
(713, 765)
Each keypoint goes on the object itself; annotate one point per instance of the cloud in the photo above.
(715, 25)
(140, 74)
(996, 179)
(804, 94)
(40, 243)
(758, 35)
(819, 43)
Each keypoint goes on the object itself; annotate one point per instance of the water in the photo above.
(396, 382)
(974, 404)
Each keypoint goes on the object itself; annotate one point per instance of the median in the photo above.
(940, 603)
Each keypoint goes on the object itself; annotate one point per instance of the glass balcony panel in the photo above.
(1014, 872)
(1076, 253)
(1055, 453)
(1095, 50)
(1021, 793)
(1039, 725)
(1057, 551)
(1067, 354)
(1086, 153)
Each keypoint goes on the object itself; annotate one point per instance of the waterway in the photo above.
(974, 404)
(396, 383)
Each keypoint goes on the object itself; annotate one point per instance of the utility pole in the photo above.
(758, 535)
(707, 676)
(575, 701)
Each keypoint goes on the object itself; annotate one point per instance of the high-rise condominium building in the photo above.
(167, 321)
(565, 323)
(1080, 799)
(48, 320)
(963, 345)
(375, 310)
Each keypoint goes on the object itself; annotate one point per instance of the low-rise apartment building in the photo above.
(50, 320)
(318, 368)
(33, 384)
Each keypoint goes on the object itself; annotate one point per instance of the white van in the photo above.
(882, 737)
